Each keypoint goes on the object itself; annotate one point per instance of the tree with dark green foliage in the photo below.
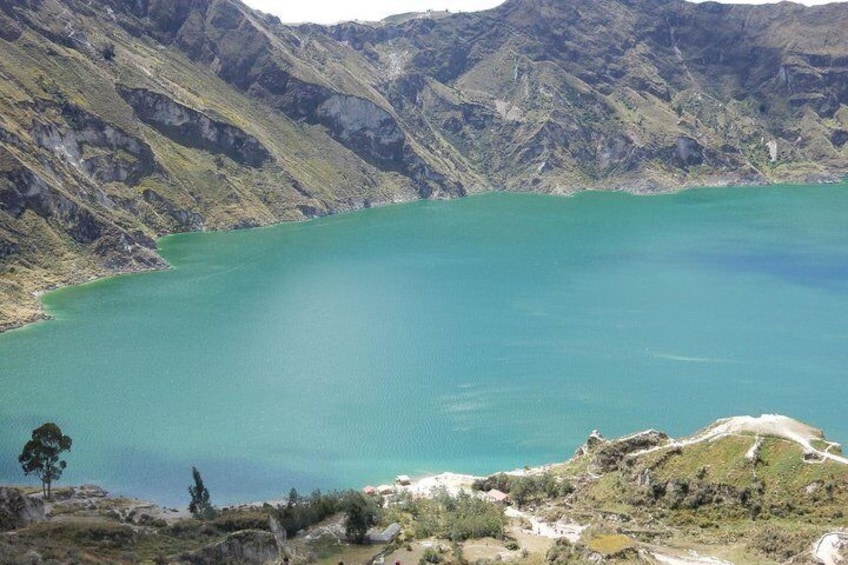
(300, 511)
(200, 505)
(361, 514)
(41, 455)
(526, 489)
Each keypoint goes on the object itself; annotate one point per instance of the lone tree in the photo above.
(41, 455)
(200, 505)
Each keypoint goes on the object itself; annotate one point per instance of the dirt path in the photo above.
(692, 559)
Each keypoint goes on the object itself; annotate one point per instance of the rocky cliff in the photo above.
(121, 121)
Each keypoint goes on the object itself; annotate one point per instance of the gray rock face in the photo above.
(191, 128)
(21, 190)
(17, 510)
(207, 33)
(247, 546)
(613, 152)
(118, 157)
(10, 30)
(688, 152)
(364, 127)
(610, 455)
(8, 249)
(185, 219)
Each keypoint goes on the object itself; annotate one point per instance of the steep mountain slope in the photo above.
(121, 121)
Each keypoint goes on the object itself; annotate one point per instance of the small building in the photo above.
(386, 536)
(369, 490)
(495, 495)
(386, 489)
(403, 480)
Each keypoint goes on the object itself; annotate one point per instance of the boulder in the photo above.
(17, 510)
(609, 456)
(246, 546)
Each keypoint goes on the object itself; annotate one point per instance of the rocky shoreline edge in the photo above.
(32, 308)
(640, 454)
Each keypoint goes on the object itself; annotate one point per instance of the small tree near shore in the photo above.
(41, 455)
(200, 505)
(361, 515)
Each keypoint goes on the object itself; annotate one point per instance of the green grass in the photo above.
(611, 545)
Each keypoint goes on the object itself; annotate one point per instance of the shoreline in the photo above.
(635, 187)
(574, 527)
(812, 440)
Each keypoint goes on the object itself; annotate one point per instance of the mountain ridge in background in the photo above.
(121, 122)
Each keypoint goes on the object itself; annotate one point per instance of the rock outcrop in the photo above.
(17, 510)
(246, 546)
(100, 150)
(611, 455)
(22, 190)
(365, 128)
(191, 128)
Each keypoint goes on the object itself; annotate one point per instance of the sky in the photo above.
(333, 11)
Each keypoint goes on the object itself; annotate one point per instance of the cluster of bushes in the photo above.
(301, 512)
(431, 556)
(456, 518)
(779, 543)
(525, 489)
(698, 493)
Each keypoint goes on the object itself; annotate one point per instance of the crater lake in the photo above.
(474, 335)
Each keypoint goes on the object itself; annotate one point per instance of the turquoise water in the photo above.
(472, 335)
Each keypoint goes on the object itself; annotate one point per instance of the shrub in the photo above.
(527, 488)
(457, 518)
(776, 543)
(235, 521)
(431, 556)
(107, 50)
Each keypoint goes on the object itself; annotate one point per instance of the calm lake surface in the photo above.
(473, 335)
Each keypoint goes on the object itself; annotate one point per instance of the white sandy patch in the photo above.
(454, 483)
(692, 559)
(755, 448)
(831, 549)
(561, 529)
